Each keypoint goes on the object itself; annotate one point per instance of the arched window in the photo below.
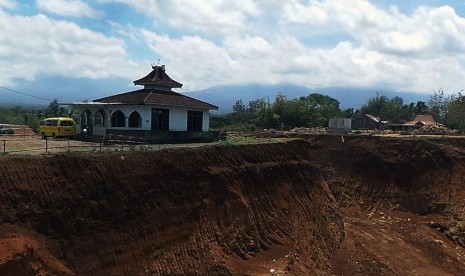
(86, 116)
(117, 119)
(99, 118)
(135, 120)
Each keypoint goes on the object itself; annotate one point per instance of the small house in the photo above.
(419, 122)
(368, 122)
(423, 120)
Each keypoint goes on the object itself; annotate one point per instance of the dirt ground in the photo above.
(318, 206)
(35, 145)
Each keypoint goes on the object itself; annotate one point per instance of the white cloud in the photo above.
(38, 45)
(428, 31)
(246, 59)
(126, 31)
(221, 16)
(296, 12)
(194, 61)
(9, 4)
(68, 8)
(252, 41)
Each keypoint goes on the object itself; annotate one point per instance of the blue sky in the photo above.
(75, 50)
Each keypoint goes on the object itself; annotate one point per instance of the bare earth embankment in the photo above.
(367, 206)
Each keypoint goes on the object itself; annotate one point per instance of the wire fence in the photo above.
(34, 144)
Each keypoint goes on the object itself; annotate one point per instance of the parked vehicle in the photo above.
(57, 127)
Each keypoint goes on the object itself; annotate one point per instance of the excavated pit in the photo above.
(319, 206)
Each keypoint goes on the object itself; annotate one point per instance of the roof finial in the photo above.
(154, 66)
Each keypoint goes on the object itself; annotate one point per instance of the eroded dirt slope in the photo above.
(326, 205)
(201, 211)
(402, 202)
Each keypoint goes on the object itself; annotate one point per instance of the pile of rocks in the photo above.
(436, 130)
(306, 130)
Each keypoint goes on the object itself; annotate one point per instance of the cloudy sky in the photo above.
(76, 49)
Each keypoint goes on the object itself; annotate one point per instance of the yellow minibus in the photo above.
(57, 127)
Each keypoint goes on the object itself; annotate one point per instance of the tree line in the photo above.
(31, 117)
(315, 110)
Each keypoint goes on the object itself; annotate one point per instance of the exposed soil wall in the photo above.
(197, 211)
(421, 176)
(296, 208)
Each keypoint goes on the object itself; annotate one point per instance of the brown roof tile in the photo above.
(424, 119)
(158, 76)
(152, 96)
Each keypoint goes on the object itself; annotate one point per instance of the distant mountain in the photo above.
(43, 90)
(66, 90)
(349, 97)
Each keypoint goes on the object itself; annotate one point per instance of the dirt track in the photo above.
(367, 206)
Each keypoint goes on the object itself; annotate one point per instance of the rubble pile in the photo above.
(436, 130)
(306, 130)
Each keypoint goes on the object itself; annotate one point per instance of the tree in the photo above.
(455, 114)
(393, 110)
(451, 110)
(376, 106)
(320, 108)
(349, 113)
(239, 112)
(19, 115)
(421, 108)
(260, 114)
(437, 105)
(309, 111)
(54, 109)
(278, 108)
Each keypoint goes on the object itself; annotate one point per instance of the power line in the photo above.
(25, 94)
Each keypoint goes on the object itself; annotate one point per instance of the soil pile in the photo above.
(327, 205)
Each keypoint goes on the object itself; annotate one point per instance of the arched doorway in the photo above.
(86, 121)
(100, 118)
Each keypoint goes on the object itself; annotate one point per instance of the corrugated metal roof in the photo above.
(373, 118)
